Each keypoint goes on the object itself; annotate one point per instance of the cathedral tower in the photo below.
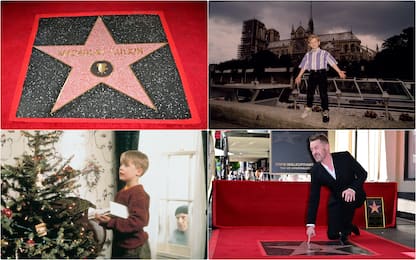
(310, 23)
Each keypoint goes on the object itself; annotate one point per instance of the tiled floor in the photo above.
(403, 233)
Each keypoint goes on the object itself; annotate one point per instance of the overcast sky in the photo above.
(371, 21)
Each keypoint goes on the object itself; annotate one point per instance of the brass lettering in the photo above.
(127, 51)
(81, 52)
(97, 52)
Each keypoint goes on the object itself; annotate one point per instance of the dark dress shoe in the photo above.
(343, 239)
(325, 116)
(355, 230)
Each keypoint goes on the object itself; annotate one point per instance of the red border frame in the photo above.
(86, 123)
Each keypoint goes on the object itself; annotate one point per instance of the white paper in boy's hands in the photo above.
(118, 210)
(92, 212)
(115, 210)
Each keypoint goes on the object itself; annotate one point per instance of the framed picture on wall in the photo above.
(374, 212)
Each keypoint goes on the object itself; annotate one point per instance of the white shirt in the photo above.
(331, 172)
(317, 60)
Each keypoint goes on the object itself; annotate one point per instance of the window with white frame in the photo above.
(175, 182)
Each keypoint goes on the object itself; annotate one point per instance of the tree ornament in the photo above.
(30, 242)
(7, 212)
(68, 169)
(4, 243)
(41, 229)
(38, 158)
(39, 181)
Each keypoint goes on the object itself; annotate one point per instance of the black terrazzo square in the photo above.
(316, 248)
(157, 72)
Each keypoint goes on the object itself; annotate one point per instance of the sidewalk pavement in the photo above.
(279, 117)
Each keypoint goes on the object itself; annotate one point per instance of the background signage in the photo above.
(290, 151)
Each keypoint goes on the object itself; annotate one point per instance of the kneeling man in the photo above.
(344, 177)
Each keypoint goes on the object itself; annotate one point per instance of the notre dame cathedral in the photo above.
(343, 45)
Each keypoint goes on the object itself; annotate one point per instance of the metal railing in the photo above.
(396, 95)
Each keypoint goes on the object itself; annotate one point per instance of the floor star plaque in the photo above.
(301, 248)
(110, 67)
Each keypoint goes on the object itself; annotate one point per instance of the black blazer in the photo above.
(349, 174)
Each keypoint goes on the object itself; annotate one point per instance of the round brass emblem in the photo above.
(101, 68)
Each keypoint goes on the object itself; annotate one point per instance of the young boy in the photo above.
(316, 61)
(131, 241)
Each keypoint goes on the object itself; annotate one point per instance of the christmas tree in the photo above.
(39, 217)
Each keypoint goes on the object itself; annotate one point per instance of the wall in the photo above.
(395, 149)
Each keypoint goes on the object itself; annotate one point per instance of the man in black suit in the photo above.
(344, 177)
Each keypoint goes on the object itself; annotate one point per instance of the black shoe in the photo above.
(325, 116)
(355, 230)
(343, 239)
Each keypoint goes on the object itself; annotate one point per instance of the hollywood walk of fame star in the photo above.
(314, 249)
(101, 60)
(374, 207)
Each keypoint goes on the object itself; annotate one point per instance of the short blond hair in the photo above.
(313, 36)
(139, 159)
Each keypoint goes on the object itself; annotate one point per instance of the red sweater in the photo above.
(129, 233)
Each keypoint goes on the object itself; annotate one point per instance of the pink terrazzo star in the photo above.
(101, 60)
